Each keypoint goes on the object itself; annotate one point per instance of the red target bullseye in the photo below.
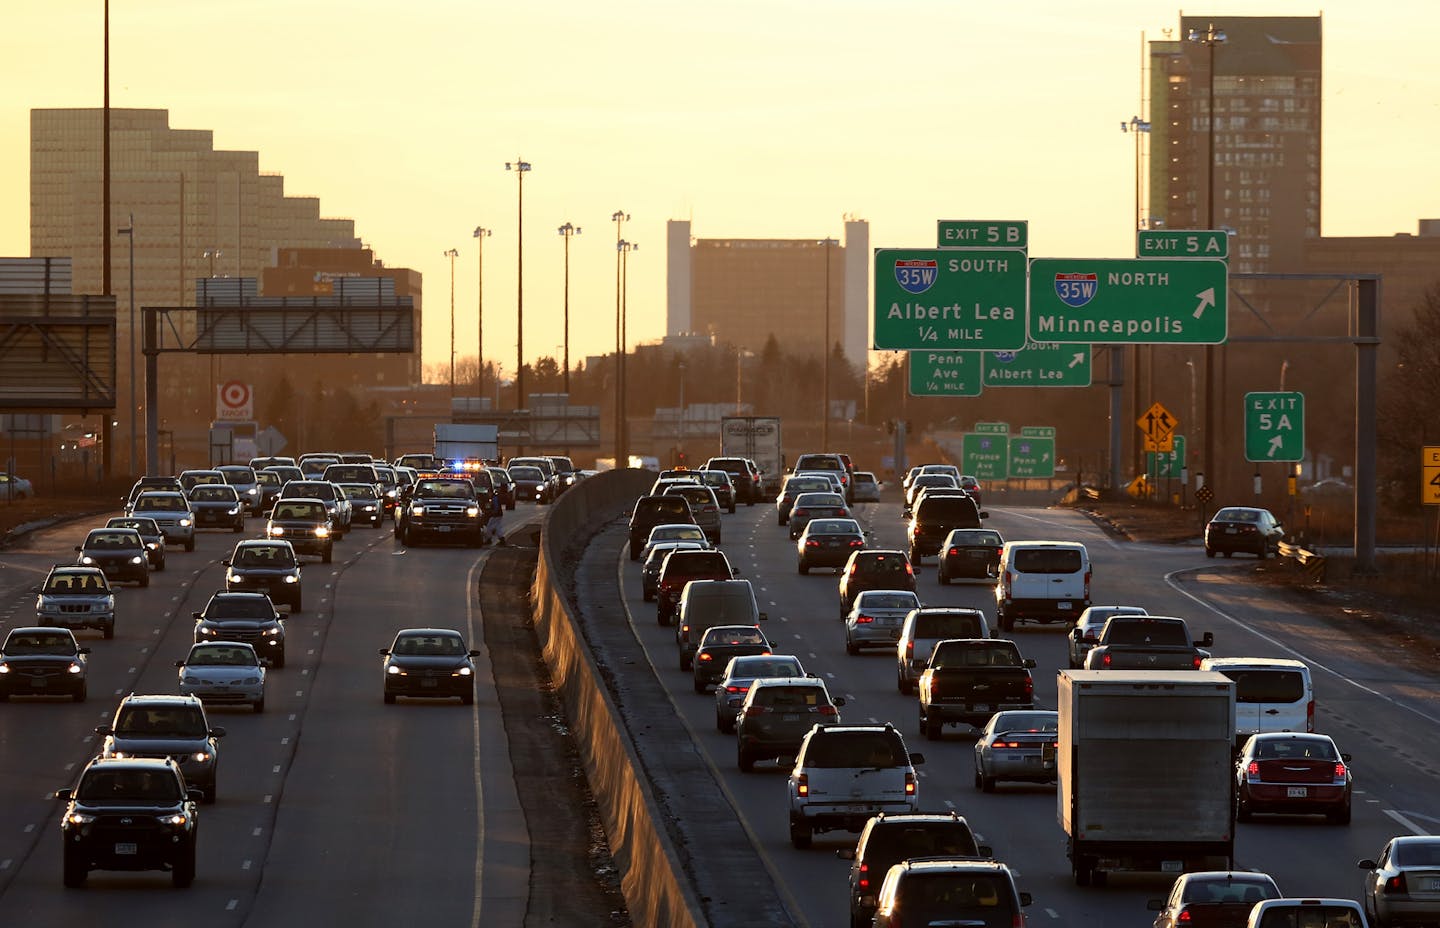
(235, 395)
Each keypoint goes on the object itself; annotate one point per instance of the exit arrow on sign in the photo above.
(1206, 298)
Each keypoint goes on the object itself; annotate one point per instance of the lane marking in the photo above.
(1405, 822)
(231, 905)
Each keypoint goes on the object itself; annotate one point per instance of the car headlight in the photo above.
(251, 681)
(4, 668)
(75, 667)
(232, 510)
(291, 578)
(184, 523)
(86, 559)
(79, 818)
(252, 491)
(206, 630)
(119, 755)
(275, 531)
(389, 494)
(276, 630)
(153, 545)
(417, 510)
(177, 819)
(201, 756)
(464, 671)
(231, 577)
(472, 511)
(137, 560)
(322, 531)
(393, 669)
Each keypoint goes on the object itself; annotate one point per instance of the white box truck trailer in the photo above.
(756, 438)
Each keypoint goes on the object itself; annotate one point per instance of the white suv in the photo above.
(847, 773)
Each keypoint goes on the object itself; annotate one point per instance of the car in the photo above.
(313, 465)
(720, 482)
(923, 629)
(678, 569)
(815, 506)
(286, 473)
(706, 603)
(446, 508)
(889, 838)
(1402, 885)
(367, 503)
(167, 483)
(844, 774)
(831, 477)
(776, 715)
(1293, 773)
(222, 672)
(718, 645)
(703, 506)
(793, 487)
(428, 662)
(1086, 632)
(922, 481)
(1303, 913)
(1017, 745)
(119, 552)
(171, 511)
(389, 485)
(932, 520)
(874, 569)
(551, 488)
(504, 486)
(1329, 488)
(827, 543)
(677, 531)
(949, 891)
(272, 460)
(173, 727)
(1245, 529)
(190, 479)
(743, 474)
(348, 472)
(246, 483)
(970, 554)
(74, 598)
(39, 660)
(972, 486)
(1271, 694)
(244, 617)
(566, 476)
(217, 505)
(266, 565)
(828, 462)
(530, 482)
(150, 533)
(129, 814)
(652, 510)
(876, 618)
(1213, 897)
(13, 486)
(341, 512)
(305, 523)
(740, 675)
(1041, 581)
(867, 487)
(655, 560)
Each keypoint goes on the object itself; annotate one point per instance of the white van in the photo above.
(1041, 581)
(1271, 694)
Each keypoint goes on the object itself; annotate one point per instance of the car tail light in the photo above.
(1253, 770)
(1340, 771)
(732, 688)
(704, 656)
(999, 551)
(1183, 916)
(752, 711)
(1396, 884)
(910, 648)
(1196, 661)
(1029, 685)
(856, 543)
(1087, 585)
(1007, 744)
(802, 784)
(864, 620)
(910, 571)
(827, 710)
(1105, 660)
(953, 552)
(797, 513)
(854, 569)
(864, 881)
(1310, 716)
(910, 784)
(812, 543)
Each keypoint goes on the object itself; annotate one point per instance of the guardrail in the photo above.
(1311, 562)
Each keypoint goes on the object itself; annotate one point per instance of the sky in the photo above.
(752, 119)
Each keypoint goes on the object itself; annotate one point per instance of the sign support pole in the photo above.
(1117, 411)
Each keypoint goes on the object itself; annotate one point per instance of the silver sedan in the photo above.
(1017, 745)
(223, 672)
(876, 618)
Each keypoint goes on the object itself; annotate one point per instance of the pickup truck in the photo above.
(970, 679)
(1147, 642)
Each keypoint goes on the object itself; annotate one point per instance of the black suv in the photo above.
(265, 566)
(949, 891)
(166, 728)
(245, 617)
(129, 814)
(443, 508)
(743, 474)
(874, 569)
(42, 661)
(890, 838)
(651, 511)
(935, 518)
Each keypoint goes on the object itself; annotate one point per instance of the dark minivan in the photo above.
(651, 511)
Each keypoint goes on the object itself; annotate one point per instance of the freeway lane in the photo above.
(326, 797)
(1305, 856)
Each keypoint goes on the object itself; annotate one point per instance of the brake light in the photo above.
(910, 785)
(909, 570)
(704, 656)
(854, 569)
(1087, 585)
(953, 552)
(1310, 716)
(1183, 916)
(752, 711)
(863, 620)
(802, 784)
(732, 688)
(1396, 884)
(864, 881)
(856, 543)
(1029, 685)
(1105, 659)
(1196, 661)
(1340, 771)
(812, 543)
(827, 710)
(999, 551)
(1253, 771)
(798, 512)
(910, 647)
(685, 630)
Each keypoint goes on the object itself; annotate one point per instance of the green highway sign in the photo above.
(1178, 243)
(1167, 464)
(1039, 364)
(972, 233)
(1274, 427)
(1032, 457)
(985, 455)
(945, 373)
(1128, 301)
(993, 428)
(929, 299)
(1037, 431)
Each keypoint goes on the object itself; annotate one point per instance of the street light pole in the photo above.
(624, 248)
(129, 233)
(521, 168)
(825, 358)
(619, 217)
(452, 254)
(1210, 38)
(480, 234)
(1135, 126)
(567, 231)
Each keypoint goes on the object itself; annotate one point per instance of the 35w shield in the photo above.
(916, 275)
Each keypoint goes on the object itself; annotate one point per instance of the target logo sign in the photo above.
(234, 402)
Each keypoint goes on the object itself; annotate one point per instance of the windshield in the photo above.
(1146, 632)
(872, 600)
(160, 722)
(244, 607)
(161, 503)
(264, 556)
(834, 527)
(857, 749)
(428, 646)
(299, 511)
(39, 643)
(1027, 721)
(221, 655)
(209, 493)
(717, 636)
(520, 472)
(111, 540)
(982, 896)
(76, 583)
(128, 785)
(767, 666)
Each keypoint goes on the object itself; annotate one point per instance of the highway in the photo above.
(333, 808)
(1379, 706)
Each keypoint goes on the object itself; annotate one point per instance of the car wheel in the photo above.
(389, 699)
(76, 869)
(328, 554)
(81, 694)
(634, 549)
(295, 605)
(1007, 624)
(209, 796)
(779, 520)
(933, 729)
(731, 509)
(1242, 810)
(109, 631)
(1264, 550)
(850, 647)
(979, 781)
(1229, 553)
(800, 834)
(801, 568)
(744, 760)
(1341, 817)
(279, 659)
(904, 684)
(160, 564)
(190, 544)
(684, 662)
(699, 686)
(238, 527)
(987, 784)
(941, 576)
(145, 580)
(647, 596)
(1082, 872)
(182, 870)
(259, 705)
(467, 698)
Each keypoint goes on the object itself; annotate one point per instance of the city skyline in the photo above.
(756, 121)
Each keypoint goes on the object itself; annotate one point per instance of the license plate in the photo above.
(1430, 885)
(1230, 530)
(977, 555)
(790, 717)
(981, 707)
(1062, 605)
(126, 849)
(1172, 866)
(442, 528)
(430, 683)
(39, 682)
(1296, 792)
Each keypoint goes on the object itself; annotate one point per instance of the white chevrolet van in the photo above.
(1041, 581)
(1271, 694)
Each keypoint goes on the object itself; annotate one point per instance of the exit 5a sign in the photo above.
(1274, 427)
